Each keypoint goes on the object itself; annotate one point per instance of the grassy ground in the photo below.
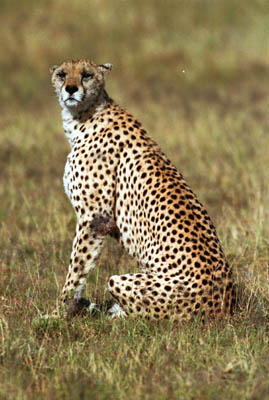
(196, 74)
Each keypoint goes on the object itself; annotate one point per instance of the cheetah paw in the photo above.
(116, 311)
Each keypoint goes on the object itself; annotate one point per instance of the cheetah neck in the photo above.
(72, 119)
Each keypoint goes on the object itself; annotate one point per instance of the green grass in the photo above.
(211, 120)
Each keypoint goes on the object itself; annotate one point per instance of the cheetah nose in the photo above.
(71, 89)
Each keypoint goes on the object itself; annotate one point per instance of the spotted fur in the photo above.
(116, 171)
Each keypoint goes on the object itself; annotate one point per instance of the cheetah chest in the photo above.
(67, 178)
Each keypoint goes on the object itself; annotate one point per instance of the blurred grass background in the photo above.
(221, 46)
(196, 74)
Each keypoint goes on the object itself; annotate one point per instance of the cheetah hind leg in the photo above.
(149, 296)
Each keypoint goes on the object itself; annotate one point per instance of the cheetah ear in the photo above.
(105, 68)
(53, 68)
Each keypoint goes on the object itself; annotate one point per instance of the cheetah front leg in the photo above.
(86, 248)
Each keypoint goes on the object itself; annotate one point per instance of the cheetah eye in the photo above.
(86, 75)
(61, 75)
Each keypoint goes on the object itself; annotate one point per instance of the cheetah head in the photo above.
(78, 84)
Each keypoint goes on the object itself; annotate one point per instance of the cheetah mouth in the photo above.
(71, 101)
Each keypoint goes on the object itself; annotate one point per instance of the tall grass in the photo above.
(196, 74)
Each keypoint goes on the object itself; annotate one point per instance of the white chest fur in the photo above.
(67, 178)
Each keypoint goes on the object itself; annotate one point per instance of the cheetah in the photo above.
(118, 179)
